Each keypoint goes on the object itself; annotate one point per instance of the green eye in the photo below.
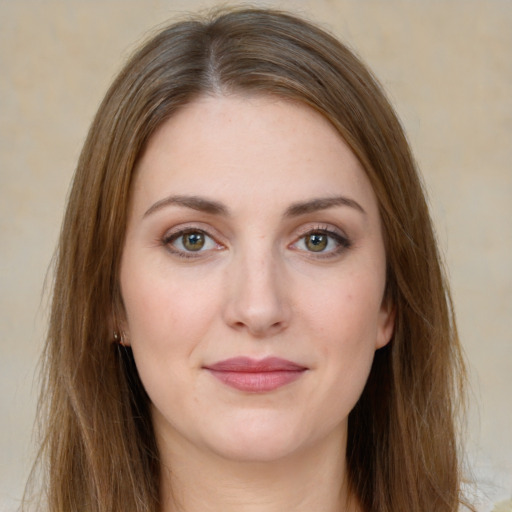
(190, 241)
(316, 242)
(193, 241)
(323, 243)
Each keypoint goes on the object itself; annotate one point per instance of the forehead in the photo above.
(254, 147)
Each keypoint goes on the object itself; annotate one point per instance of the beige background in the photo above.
(447, 66)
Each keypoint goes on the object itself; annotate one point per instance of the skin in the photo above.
(258, 287)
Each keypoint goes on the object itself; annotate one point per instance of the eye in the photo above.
(186, 242)
(316, 242)
(322, 242)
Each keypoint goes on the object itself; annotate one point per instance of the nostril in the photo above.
(262, 329)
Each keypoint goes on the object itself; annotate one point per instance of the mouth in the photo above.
(256, 376)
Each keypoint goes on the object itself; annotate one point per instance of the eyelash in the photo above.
(169, 239)
(341, 241)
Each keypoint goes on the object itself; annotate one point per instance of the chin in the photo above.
(255, 450)
(260, 440)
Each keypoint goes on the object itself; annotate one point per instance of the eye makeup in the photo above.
(190, 242)
(322, 242)
(193, 242)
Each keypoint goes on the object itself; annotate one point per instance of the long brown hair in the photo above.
(98, 440)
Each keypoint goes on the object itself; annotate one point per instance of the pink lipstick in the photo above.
(256, 376)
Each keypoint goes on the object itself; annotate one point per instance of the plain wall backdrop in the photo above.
(447, 66)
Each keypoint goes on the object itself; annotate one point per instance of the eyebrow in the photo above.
(194, 202)
(216, 208)
(322, 203)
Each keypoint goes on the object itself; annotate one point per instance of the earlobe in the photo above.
(118, 326)
(386, 326)
(121, 338)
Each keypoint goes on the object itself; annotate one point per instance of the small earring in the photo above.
(120, 338)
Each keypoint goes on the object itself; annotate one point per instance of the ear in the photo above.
(120, 337)
(122, 332)
(119, 326)
(386, 324)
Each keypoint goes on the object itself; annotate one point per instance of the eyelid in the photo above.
(321, 227)
(342, 240)
(176, 232)
(187, 227)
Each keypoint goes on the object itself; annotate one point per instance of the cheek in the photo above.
(346, 309)
(167, 318)
(346, 320)
(161, 306)
(348, 335)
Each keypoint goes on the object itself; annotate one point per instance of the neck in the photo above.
(201, 481)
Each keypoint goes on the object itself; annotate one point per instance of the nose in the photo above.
(257, 301)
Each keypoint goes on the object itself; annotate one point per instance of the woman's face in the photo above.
(252, 276)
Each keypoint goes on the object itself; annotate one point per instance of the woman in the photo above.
(249, 310)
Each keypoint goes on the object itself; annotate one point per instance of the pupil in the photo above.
(316, 243)
(193, 241)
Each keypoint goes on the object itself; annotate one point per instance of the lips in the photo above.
(256, 376)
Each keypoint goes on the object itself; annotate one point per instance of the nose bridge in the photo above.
(257, 301)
